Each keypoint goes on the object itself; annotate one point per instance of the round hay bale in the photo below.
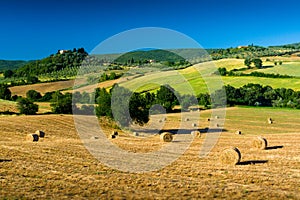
(115, 133)
(216, 117)
(135, 134)
(166, 137)
(187, 119)
(217, 125)
(160, 121)
(208, 119)
(194, 125)
(32, 137)
(230, 156)
(41, 134)
(260, 143)
(270, 121)
(196, 134)
(113, 136)
(238, 132)
(94, 137)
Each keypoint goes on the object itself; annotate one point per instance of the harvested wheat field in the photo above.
(59, 166)
(8, 106)
(44, 87)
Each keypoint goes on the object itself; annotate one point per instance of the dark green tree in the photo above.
(120, 105)
(188, 100)
(204, 99)
(112, 76)
(222, 71)
(104, 77)
(252, 94)
(166, 97)
(33, 95)
(103, 100)
(61, 103)
(150, 99)
(248, 62)
(32, 79)
(8, 73)
(77, 97)
(138, 109)
(5, 92)
(128, 107)
(26, 106)
(85, 97)
(47, 96)
(257, 62)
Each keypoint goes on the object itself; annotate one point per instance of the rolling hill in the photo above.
(11, 64)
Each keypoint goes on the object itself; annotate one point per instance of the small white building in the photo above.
(63, 51)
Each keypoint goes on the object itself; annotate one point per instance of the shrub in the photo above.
(27, 107)
(5, 92)
(33, 95)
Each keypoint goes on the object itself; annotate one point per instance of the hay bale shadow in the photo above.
(188, 131)
(212, 130)
(274, 147)
(5, 160)
(252, 162)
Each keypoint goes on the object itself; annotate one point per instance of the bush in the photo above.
(15, 97)
(32, 80)
(222, 71)
(166, 97)
(47, 97)
(33, 95)
(257, 62)
(5, 92)
(103, 100)
(26, 106)
(61, 104)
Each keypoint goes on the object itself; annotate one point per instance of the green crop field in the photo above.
(201, 76)
(288, 68)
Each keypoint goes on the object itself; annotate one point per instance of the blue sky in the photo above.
(35, 29)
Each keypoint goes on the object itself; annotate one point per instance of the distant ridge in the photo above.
(11, 64)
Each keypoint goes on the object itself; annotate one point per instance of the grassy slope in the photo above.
(177, 79)
(288, 68)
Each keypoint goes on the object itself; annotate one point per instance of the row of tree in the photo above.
(252, 51)
(127, 107)
(258, 95)
(223, 72)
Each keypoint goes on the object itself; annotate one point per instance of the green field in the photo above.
(200, 77)
(288, 68)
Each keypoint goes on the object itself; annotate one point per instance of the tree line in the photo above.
(134, 107)
(252, 51)
(258, 95)
(223, 72)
